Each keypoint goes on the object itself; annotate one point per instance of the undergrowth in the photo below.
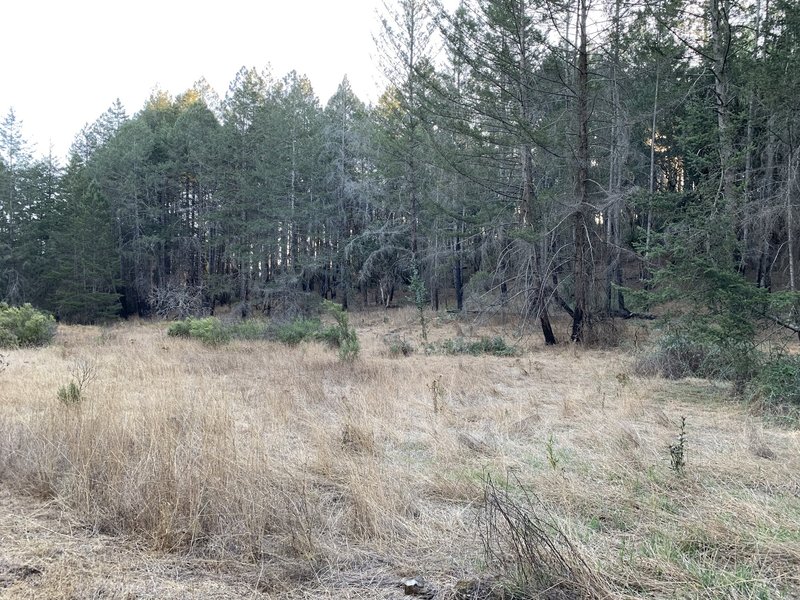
(495, 346)
(24, 326)
(527, 548)
(211, 330)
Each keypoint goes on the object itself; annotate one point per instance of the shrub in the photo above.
(179, 329)
(209, 330)
(677, 356)
(398, 346)
(83, 373)
(777, 381)
(340, 335)
(24, 326)
(605, 333)
(495, 346)
(529, 551)
(298, 330)
(250, 329)
(70, 394)
(212, 331)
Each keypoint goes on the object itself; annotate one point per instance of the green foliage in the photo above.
(716, 319)
(249, 329)
(341, 335)
(70, 394)
(495, 346)
(180, 329)
(24, 326)
(298, 330)
(82, 257)
(553, 458)
(213, 331)
(209, 330)
(777, 381)
(677, 355)
(677, 450)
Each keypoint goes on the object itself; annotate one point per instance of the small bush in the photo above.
(529, 551)
(70, 394)
(349, 348)
(209, 330)
(213, 331)
(340, 335)
(83, 372)
(24, 326)
(179, 329)
(777, 381)
(398, 346)
(250, 329)
(298, 330)
(677, 356)
(495, 346)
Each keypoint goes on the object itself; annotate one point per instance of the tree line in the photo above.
(533, 156)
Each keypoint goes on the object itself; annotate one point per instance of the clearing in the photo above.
(260, 470)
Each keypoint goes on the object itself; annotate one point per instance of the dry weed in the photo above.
(317, 473)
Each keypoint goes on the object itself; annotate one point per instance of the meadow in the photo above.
(256, 469)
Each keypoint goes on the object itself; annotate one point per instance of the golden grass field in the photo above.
(256, 470)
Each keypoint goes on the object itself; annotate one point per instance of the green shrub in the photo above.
(299, 330)
(70, 394)
(212, 331)
(24, 326)
(349, 348)
(209, 330)
(179, 329)
(340, 335)
(777, 381)
(676, 356)
(495, 346)
(250, 329)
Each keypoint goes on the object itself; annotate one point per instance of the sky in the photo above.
(65, 61)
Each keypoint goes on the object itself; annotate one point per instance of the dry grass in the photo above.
(282, 472)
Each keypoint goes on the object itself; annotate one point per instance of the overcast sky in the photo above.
(63, 62)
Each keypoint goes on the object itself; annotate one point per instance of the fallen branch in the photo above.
(789, 326)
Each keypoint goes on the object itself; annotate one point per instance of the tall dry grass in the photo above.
(328, 472)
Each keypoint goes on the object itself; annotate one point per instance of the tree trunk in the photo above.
(580, 222)
(791, 187)
(458, 280)
(721, 41)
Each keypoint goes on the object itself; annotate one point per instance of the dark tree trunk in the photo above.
(547, 328)
(580, 222)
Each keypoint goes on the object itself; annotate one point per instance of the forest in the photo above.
(587, 160)
(558, 261)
